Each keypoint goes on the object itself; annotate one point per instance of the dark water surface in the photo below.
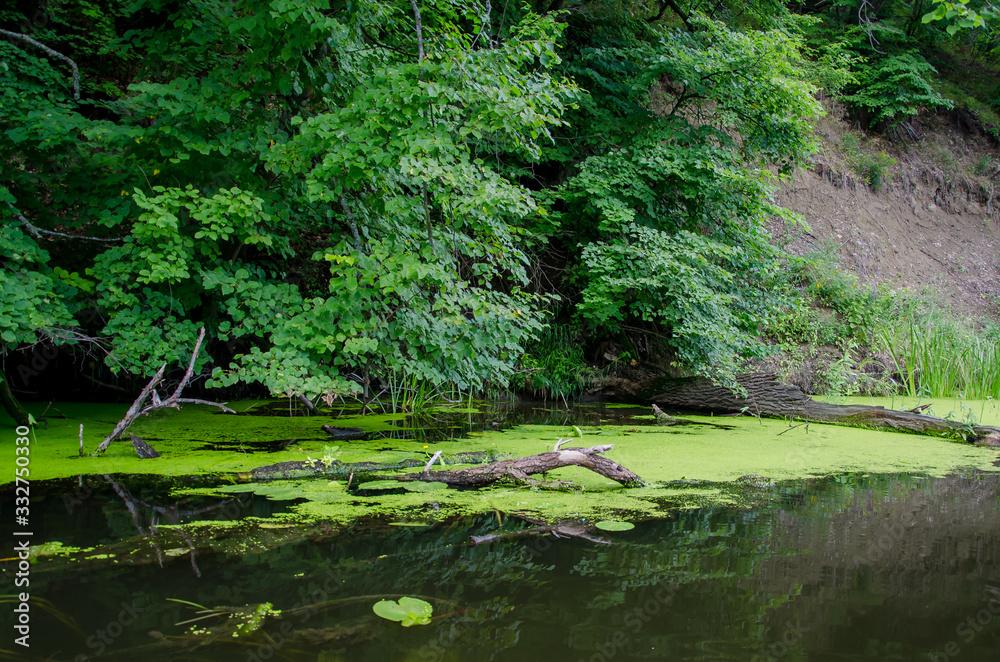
(843, 568)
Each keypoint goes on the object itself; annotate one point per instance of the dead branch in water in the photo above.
(175, 400)
(519, 469)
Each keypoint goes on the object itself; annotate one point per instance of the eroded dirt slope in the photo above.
(930, 227)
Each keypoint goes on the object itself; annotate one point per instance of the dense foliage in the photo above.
(354, 194)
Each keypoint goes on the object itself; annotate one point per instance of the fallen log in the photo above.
(519, 469)
(343, 434)
(337, 469)
(766, 396)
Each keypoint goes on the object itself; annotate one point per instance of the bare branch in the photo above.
(49, 51)
(38, 232)
(133, 411)
(190, 370)
(175, 401)
(420, 30)
(350, 219)
(430, 462)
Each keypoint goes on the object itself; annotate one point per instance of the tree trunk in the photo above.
(10, 403)
(766, 396)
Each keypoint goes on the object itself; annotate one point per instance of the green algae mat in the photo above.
(682, 465)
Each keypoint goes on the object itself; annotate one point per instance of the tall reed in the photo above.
(936, 357)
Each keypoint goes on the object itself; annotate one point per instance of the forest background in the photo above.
(439, 199)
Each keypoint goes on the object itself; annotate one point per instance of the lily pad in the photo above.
(612, 525)
(408, 611)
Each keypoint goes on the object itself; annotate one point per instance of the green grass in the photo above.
(933, 352)
(938, 357)
(555, 367)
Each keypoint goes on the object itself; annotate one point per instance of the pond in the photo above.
(888, 550)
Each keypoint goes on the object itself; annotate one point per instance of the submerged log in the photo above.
(518, 469)
(343, 434)
(766, 396)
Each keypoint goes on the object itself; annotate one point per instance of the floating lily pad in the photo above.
(611, 525)
(408, 611)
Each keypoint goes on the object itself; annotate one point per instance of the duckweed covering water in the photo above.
(683, 465)
(739, 543)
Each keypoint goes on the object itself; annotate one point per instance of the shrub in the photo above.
(892, 89)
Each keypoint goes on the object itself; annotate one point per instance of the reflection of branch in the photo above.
(172, 513)
(130, 503)
(38, 44)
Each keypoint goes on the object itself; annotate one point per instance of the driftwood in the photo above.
(766, 396)
(518, 469)
(338, 469)
(175, 400)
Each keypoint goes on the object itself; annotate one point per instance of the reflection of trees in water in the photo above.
(895, 557)
(863, 568)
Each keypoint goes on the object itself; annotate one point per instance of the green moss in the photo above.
(683, 465)
(186, 439)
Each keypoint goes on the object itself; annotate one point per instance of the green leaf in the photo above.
(408, 611)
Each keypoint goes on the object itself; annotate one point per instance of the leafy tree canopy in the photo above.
(350, 193)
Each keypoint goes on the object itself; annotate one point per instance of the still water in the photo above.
(850, 567)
